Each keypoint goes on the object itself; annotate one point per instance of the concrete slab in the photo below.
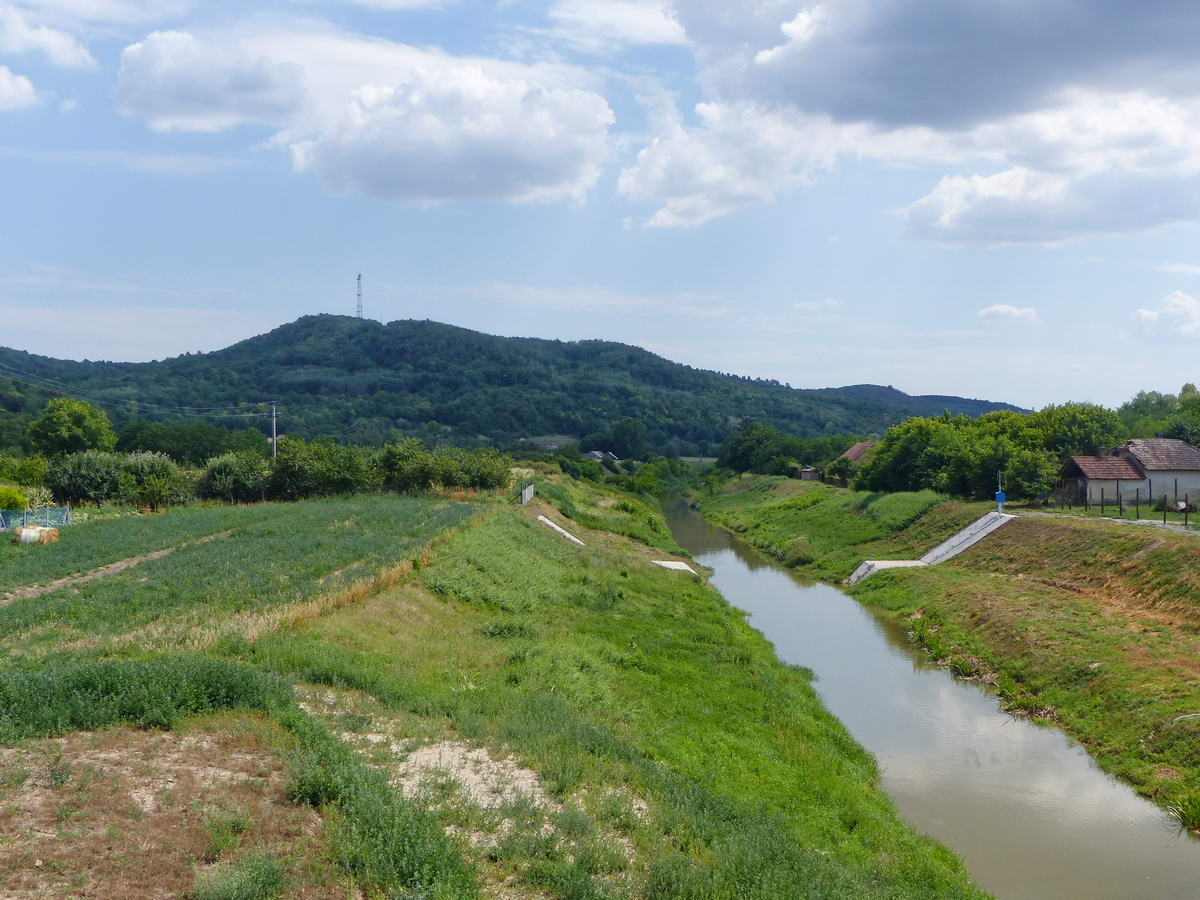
(562, 531)
(673, 564)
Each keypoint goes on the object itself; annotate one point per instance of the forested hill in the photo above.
(358, 379)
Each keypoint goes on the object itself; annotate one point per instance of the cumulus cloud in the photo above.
(378, 117)
(1011, 313)
(943, 63)
(179, 83)
(1080, 123)
(736, 157)
(598, 25)
(16, 91)
(1177, 317)
(460, 132)
(20, 32)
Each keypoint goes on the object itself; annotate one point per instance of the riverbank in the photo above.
(449, 699)
(1089, 625)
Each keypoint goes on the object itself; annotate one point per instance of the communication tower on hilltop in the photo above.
(360, 296)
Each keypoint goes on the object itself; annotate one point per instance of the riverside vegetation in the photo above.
(417, 696)
(1090, 625)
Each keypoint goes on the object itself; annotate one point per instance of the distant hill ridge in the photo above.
(360, 379)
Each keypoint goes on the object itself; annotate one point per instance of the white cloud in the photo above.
(1180, 268)
(19, 33)
(1088, 124)
(736, 157)
(816, 305)
(599, 25)
(1011, 313)
(378, 117)
(461, 132)
(1178, 317)
(16, 91)
(72, 13)
(179, 83)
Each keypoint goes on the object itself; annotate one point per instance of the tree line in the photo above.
(964, 456)
(81, 461)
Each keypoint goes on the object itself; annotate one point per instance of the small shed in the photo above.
(808, 473)
(1090, 479)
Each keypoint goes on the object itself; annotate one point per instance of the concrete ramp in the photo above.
(947, 549)
(968, 537)
(871, 566)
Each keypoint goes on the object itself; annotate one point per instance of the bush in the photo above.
(320, 469)
(27, 472)
(407, 466)
(92, 476)
(235, 478)
(11, 498)
(151, 479)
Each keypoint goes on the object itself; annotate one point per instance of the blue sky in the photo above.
(994, 199)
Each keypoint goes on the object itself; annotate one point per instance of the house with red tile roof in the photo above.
(1145, 468)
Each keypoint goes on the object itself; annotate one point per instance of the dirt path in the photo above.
(120, 565)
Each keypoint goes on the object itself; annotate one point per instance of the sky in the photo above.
(992, 199)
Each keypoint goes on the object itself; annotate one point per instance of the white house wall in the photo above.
(1173, 484)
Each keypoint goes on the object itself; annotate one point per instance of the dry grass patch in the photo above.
(145, 814)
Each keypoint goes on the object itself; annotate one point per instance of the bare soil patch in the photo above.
(127, 813)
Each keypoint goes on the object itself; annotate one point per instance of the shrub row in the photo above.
(303, 469)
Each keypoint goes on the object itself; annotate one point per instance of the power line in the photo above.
(206, 412)
(45, 381)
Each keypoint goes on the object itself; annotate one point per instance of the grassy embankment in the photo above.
(591, 725)
(1092, 625)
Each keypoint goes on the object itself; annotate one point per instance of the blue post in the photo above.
(1000, 498)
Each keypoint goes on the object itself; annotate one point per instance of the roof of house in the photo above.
(1164, 453)
(1116, 468)
(855, 453)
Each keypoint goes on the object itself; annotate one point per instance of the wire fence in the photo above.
(46, 515)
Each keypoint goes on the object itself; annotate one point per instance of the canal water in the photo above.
(1027, 810)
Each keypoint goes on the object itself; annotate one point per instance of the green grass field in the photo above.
(660, 748)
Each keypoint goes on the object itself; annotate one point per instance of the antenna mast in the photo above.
(360, 296)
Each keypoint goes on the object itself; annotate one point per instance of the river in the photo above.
(1024, 806)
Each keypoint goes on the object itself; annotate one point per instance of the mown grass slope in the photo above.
(827, 531)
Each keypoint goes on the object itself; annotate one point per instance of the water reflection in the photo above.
(1026, 808)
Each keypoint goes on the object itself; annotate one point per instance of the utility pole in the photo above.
(360, 296)
(274, 433)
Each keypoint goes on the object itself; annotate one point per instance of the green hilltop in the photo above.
(360, 379)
